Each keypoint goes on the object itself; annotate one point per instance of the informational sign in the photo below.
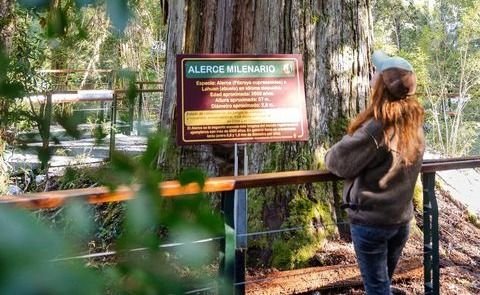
(240, 98)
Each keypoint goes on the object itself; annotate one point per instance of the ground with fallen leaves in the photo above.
(459, 262)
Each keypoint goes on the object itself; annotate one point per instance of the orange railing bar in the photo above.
(173, 188)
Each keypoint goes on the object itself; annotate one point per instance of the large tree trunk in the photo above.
(6, 26)
(334, 38)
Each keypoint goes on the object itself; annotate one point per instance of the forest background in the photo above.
(441, 38)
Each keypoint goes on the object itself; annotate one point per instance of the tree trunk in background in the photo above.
(335, 38)
(6, 26)
(6, 33)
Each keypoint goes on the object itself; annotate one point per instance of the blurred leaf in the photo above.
(194, 211)
(57, 23)
(127, 74)
(154, 142)
(39, 4)
(99, 134)
(123, 163)
(80, 223)
(81, 3)
(124, 170)
(26, 250)
(190, 175)
(119, 13)
(132, 92)
(82, 33)
(4, 61)
(194, 254)
(69, 175)
(140, 222)
(22, 234)
(69, 122)
(11, 89)
(151, 180)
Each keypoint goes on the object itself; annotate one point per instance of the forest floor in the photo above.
(459, 262)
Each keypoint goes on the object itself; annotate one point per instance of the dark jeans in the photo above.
(378, 251)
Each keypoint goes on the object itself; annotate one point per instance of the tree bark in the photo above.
(334, 37)
(6, 26)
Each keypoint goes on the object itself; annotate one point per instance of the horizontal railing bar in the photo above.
(90, 110)
(282, 230)
(139, 90)
(444, 160)
(202, 289)
(111, 253)
(60, 71)
(215, 184)
(178, 244)
(98, 195)
(283, 178)
(149, 82)
(114, 90)
(461, 163)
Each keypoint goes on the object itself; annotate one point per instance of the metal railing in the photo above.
(113, 98)
(233, 242)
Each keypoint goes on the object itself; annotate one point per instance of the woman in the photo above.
(380, 159)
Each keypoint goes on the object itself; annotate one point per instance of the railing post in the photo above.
(431, 264)
(241, 243)
(232, 265)
(140, 110)
(113, 125)
(227, 263)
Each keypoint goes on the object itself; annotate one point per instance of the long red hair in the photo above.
(401, 120)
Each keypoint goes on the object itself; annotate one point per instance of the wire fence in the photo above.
(233, 270)
(110, 123)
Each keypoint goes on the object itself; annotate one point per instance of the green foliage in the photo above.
(27, 249)
(338, 127)
(297, 249)
(9, 91)
(152, 269)
(82, 177)
(75, 35)
(441, 40)
(473, 219)
(185, 218)
(418, 196)
(119, 13)
(53, 35)
(99, 132)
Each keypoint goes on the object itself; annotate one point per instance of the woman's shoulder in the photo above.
(374, 129)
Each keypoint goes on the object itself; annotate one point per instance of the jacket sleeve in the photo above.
(348, 157)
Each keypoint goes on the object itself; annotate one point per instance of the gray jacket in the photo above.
(378, 186)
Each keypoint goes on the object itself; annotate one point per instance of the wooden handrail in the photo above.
(441, 165)
(173, 188)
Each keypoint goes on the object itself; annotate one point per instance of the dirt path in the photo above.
(459, 263)
(325, 278)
